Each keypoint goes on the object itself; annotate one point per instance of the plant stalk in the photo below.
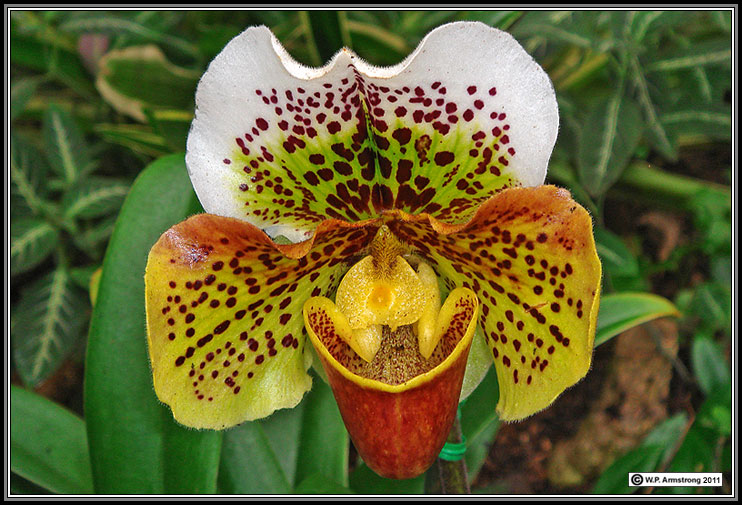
(449, 477)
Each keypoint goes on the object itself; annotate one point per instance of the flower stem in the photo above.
(449, 477)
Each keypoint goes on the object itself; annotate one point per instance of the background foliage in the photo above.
(98, 96)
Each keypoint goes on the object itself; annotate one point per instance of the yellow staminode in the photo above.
(383, 289)
(373, 293)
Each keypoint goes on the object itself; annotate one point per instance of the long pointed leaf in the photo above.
(135, 445)
(283, 431)
(622, 311)
(140, 77)
(329, 32)
(48, 444)
(711, 53)
(248, 464)
(479, 422)
(323, 446)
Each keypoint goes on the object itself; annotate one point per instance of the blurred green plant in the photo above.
(637, 90)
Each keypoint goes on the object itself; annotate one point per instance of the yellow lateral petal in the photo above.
(530, 255)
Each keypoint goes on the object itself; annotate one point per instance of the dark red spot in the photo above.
(443, 158)
(222, 327)
(333, 127)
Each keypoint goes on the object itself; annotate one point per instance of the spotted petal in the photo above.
(283, 146)
(529, 255)
(224, 321)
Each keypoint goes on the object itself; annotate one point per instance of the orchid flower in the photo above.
(396, 217)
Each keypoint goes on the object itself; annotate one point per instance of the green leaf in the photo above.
(378, 44)
(19, 485)
(140, 77)
(655, 129)
(31, 241)
(262, 455)
(135, 445)
(667, 435)
(642, 21)
(94, 197)
(283, 430)
(499, 19)
(27, 174)
(323, 443)
(363, 480)
(614, 255)
(716, 412)
(66, 150)
(695, 455)
(171, 125)
(140, 139)
(91, 237)
(21, 92)
(622, 311)
(716, 52)
(615, 479)
(114, 25)
(709, 366)
(608, 141)
(58, 63)
(549, 29)
(48, 444)
(248, 464)
(655, 449)
(329, 32)
(723, 19)
(714, 122)
(191, 461)
(49, 322)
(318, 483)
(82, 275)
(479, 422)
(713, 303)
